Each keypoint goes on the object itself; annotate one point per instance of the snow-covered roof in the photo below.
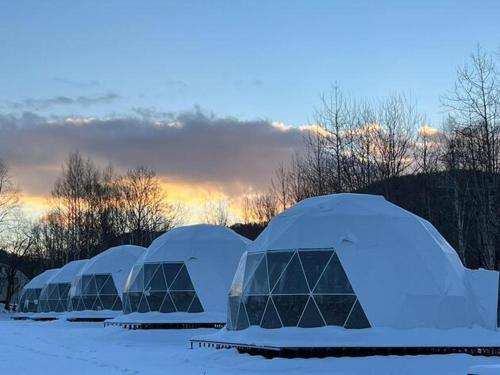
(38, 282)
(116, 261)
(67, 273)
(402, 270)
(211, 254)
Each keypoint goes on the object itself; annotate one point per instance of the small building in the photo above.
(183, 279)
(354, 270)
(96, 291)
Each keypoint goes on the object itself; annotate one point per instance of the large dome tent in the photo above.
(351, 261)
(54, 296)
(96, 291)
(30, 295)
(184, 277)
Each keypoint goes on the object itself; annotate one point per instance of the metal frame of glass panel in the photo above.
(94, 292)
(162, 287)
(54, 298)
(28, 301)
(293, 288)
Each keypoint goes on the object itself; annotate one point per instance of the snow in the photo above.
(61, 347)
(174, 317)
(402, 270)
(332, 336)
(41, 280)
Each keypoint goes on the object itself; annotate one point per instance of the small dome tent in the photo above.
(186, 273)
(357, 261)
(30, 295)
(96, 291)
(54, 296)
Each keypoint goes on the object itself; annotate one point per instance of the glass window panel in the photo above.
(242, 321)
(53, 291)
(290, 308)
(276, 264)
(52, 304)
(258, 283)
(85, 283)
(196, 306)
(358, 318)
(155, 299)
(88, 302)
(108, 287)
(255, 306)
(170, 270)
(149, 271)
(61, 306)
(292, 281)
(182, 281)
(270, 318)
(311, 316)
(117, 305)
(98, 306)
(107, 301)
(233, 305)
(134, 298)
(237, 284)
(182, 300)
(335, 309)
(92, 287)
(167, 306)
(314, 262)
(63, 290)
(158, 282)
(334, 279)
(143, 305)
(126, 304)
(100, 280)
(138, 284)
(253, 260)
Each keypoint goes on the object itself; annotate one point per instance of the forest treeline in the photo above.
(448, 174)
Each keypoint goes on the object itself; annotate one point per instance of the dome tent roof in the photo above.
(210, 254)
(67, 273)
(116, 261)
(41, 280)
(403, 272)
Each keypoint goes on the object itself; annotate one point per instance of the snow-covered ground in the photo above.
(60, 347)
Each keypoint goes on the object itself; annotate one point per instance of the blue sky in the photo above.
(248, 59)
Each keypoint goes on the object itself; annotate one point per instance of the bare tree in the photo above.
(216, 212)
(9, 196)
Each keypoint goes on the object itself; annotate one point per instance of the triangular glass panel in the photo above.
(182, 281)
(258, 283)
(92, 287)
(357, 319)
(155, 299)
(107, 301)
(276, 264)
(242, 322)
(143, 305)
(149, 271)
(232, 317)
(100, 280)
(63, 290)
(60, 306)
(182, 300)
(196, 306)
(53, 291)
(167, 306)
(157, 282)
(334, 279)
(292, 281)
(97, 305)
(314, 262)
(270, 318)
(290, 308)
(255, 306)
(117, 306)
(138, 283)
(311, 316)
(170, 270)
(108, 287)
(85, 283)
(335, 309)
(134, 298)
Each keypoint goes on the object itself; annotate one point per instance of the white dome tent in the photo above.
(183, 278)
(96, 291)
(353, 261)
(30, 295)
(54, 296)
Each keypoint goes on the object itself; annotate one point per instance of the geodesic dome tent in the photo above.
(30, 295)
(54, 296)
(186, 270)
(357, 261)
(99, 284)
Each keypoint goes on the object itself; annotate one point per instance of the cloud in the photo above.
(31, 104)
(192, 148)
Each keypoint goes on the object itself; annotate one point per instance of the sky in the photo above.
(111, 78)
